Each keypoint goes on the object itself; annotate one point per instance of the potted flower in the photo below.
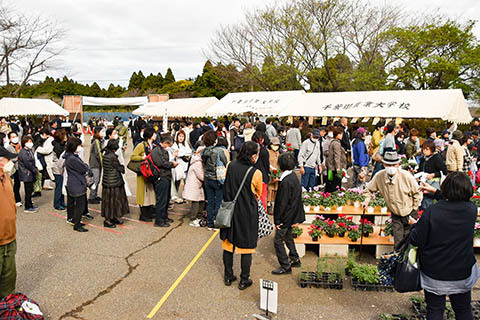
(476, 200)
(355, 196)
(274, 174)
(307, 201)
(341, 229)
(353, 233)
(380, 202)
(387, 230)
(330, 228)
(340, 200)
(315, 232)
(319, 221)
(476, 234)
(297, 231)
(316, 201)
(367, 227)
(327, 201)
(371, 205)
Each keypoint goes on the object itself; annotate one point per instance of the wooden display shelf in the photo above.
(372, 239)
(350, 210)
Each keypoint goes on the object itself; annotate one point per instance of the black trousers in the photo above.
(246, 263)
(334, 184)
(461, 304)
(16, 187)
(28, 186)
(76, 208)
(285, 236)
(146, 212)
(162, 194)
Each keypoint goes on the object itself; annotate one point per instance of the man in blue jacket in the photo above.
(360, 158)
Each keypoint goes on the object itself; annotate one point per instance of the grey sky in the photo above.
(108, 40)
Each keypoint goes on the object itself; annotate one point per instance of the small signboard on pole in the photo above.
(268, 296)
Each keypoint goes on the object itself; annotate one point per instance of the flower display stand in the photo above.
(340, 250)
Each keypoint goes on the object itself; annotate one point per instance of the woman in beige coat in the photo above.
(193, 190)
(145, 190)
(336, 161)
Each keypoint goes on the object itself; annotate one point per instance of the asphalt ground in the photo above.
(123, 273)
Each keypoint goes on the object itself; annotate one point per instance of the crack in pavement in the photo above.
(74, 312)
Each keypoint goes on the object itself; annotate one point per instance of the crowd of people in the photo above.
(207, 162)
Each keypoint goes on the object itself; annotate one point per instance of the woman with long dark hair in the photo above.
(241, 237)
(444, 237)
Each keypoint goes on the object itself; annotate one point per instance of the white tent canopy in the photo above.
(185, 107)
(265, 103)
(25, 107)
(133, 101)
(449, 105)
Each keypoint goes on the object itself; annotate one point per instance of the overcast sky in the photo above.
(108, 40)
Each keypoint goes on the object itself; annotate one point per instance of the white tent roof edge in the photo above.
(26, 107)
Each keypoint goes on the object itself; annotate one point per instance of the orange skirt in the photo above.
(228, 246)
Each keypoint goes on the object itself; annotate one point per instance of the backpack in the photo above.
(149, 170)
(19, 306)
(238, 142)
(220, 169)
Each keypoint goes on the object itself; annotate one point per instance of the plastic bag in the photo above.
(407, 269)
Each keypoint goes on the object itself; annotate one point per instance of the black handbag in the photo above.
(225, 212)
(407, 268)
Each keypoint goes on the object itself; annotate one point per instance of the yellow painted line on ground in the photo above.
(179, 279)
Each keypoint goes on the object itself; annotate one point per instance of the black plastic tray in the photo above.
(357, 285)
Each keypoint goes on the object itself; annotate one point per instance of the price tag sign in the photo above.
(365, 119)
(354, 120)
(324, 121)
(375, 120)
(268, 295)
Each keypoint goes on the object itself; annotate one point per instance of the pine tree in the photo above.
(169, 78)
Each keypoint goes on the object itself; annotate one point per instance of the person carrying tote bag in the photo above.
(242, 235)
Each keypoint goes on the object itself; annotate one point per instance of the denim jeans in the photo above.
(58, 199)
(461, 304)
(214, 194)
(309, 179)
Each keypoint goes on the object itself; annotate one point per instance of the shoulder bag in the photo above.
(265, 226)
(135, 165)
(225, 212)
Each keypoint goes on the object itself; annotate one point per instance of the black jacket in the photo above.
(435, 164)
(444, 236)
(209, 158)
(76, 171)
(345, 142)
(161, 159)
(96, 154)
(243, 232)
(27, 171)
(263, 164)
(288, 207)
(58, 148)
(112, 171)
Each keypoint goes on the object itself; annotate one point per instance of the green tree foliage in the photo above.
(435, 55)
(219, 80)
(335, 76)
(169, 78)
(136, 80)
(278, 77)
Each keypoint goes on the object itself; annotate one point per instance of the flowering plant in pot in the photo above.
(387, 230)
(330, 228)
(339, 200)
(476, 233)
(354, 196)
(317, 201)
(380, 202)
(297, 231)
(307, 201)
(367, 227)
(353, 233)
(327, 201)
(341, 229)
(315, 232)
(476, 200)
(319, 221)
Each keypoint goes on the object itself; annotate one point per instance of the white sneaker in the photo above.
(344, 180)
(18, 204)
(194, 223)
(179, 201)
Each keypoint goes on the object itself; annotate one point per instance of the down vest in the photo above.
(112, 171)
